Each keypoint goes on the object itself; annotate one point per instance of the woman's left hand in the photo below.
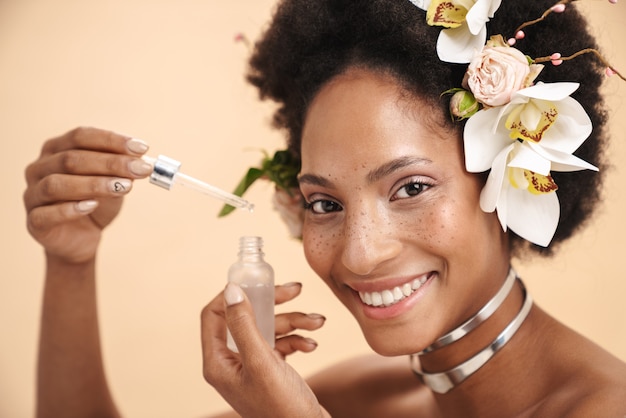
(257, 382)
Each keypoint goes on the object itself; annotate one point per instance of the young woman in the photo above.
(411, 218)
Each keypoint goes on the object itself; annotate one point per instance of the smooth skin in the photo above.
(389, 200)
(75, 189)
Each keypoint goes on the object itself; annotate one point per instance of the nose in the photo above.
(369, 240)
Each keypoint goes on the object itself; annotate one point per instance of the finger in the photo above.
(286, 292)
(212, 320)
(213, 332)
(241, 323)
(218, 362)
(94, 139)
(82, 162)
(64, 187)
(292, 343)
(47, 217)
(288, 322)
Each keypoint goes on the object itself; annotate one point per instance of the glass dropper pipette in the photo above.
(165, 173)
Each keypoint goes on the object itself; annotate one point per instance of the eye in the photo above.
(410, 189)
(320, 207)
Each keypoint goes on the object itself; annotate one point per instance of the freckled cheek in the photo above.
(320, 249)
(459, 226)
(434, 227)
(446, 227)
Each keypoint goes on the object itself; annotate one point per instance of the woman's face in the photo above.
(394, 225)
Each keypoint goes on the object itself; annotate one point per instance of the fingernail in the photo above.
(316, 316)
(137, 146)
(140, 167)
(291, 284)
(233, 294)
(121, 185)
(311, 341)
(86, 205)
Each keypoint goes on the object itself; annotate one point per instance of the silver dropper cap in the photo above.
(165, 168)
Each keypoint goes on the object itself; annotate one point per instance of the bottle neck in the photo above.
(251, 248)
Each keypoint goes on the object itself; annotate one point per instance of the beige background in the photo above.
(170, 73)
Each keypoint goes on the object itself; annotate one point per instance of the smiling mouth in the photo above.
(390, 297)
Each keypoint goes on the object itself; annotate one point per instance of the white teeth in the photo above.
(366, 298)
(391, 296)
(377, 299)
(406, 289)
(387, 297)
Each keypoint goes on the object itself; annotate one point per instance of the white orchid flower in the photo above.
(522, 142)
(524, 200)
(465, 26)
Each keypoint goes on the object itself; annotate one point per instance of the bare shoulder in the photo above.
(609, 403)
(594, 384)
(606, 399)
(372, 386)
(601, 392)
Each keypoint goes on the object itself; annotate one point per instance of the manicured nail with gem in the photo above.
(121, 185)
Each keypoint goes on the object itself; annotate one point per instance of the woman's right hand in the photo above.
(257, 382)
(76, 188)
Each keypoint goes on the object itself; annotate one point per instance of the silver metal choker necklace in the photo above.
(482, 315)
(443, 382)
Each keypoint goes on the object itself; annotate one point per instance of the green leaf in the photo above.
(282, 169)
(251, 176)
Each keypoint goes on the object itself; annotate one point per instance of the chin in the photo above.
(391, 344)
(387, 350)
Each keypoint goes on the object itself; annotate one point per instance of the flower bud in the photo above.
(463, 105)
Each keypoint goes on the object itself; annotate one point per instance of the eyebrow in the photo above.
(395, 165)
(314, 180)
(373, 176)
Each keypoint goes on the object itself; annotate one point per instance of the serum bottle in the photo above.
(256, 278)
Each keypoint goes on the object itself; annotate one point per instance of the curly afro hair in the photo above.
(309, 42)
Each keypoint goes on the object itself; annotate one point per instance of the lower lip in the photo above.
(397, 309)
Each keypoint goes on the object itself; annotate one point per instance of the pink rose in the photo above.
(497, 72)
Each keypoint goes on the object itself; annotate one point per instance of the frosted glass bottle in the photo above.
(256, 278)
